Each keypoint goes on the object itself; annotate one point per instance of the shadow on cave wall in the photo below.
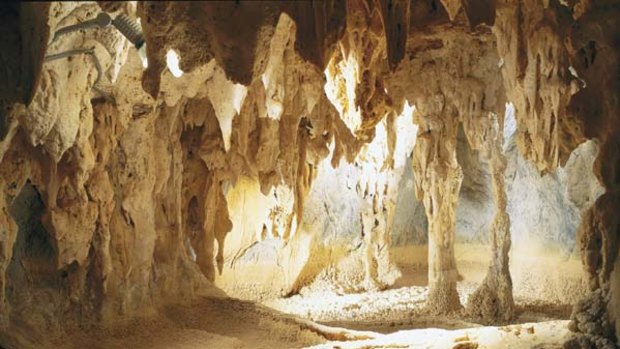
(33, 280)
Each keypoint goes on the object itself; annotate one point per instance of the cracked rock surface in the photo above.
(305, 145)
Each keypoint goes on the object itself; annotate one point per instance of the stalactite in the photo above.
(530, 41)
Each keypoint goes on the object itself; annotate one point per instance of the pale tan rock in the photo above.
(141, 191)
(493, 300)
(437, 183)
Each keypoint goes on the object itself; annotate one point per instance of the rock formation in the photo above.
(438, 180)
(128, 185)
(493, 300)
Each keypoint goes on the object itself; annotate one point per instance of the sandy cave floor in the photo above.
(229, 323)
(401, 307)
(392, 318)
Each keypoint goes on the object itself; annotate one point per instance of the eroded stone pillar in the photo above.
(493, 301)
(438, 178)
(371, 230)
(215, 226)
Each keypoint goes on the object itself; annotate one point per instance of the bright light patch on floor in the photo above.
(172, 61)
(342, 78)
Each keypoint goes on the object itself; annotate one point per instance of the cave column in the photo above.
(215, 227)
(438, 178)
(493, 300)
(205, 243)
(370, 230)
(375, 232)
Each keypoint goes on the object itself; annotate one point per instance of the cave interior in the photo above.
(310, 174)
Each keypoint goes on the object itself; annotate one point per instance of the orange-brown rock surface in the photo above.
(127, 185)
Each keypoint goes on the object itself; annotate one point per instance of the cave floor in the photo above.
(230, 323)
(392, 318)
(315, 318)
(542, 335)
(401, 307)
(399, 320)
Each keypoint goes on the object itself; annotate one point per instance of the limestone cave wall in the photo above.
(203, 153)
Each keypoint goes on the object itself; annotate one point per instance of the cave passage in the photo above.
(310, 174)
